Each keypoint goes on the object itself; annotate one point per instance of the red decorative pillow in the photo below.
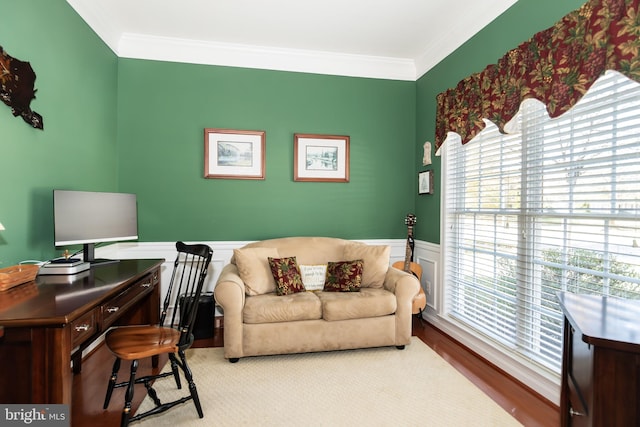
(344, 276)
(287, 275)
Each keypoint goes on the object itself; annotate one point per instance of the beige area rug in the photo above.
(368, 387)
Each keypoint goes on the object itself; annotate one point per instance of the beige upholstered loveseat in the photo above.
(259, 322)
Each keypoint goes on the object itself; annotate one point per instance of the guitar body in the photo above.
(420, 300)
(414, 268)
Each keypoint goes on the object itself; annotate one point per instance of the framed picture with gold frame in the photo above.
(321, 158)
(234, 154)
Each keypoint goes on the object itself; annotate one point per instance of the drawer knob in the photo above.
(82, 328)
(112, 309)
(575, 413)
(146, 285)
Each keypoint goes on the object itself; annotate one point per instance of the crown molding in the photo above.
(235, 55)
(97, 22)
(139, 46)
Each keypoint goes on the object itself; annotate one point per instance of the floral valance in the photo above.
(556, 66)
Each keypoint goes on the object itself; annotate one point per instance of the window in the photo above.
(552, 206)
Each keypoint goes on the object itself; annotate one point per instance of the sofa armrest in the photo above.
(231, 275)
(394, 277)
(229, 293)
(405, 286)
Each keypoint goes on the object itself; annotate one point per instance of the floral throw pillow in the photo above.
(344, 276)
(287, 275)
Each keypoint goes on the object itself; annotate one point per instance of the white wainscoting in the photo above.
(427, 255)
(222, 252)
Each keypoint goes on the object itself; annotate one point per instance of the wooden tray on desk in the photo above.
(16, 275)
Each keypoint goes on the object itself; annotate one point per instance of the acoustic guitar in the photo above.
(420, 300)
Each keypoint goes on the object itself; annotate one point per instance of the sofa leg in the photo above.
(234, 359)
(400, 347)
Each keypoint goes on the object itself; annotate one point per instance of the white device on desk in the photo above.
(65, 279)
(64, 266)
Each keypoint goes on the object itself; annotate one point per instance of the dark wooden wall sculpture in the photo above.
(17, 81)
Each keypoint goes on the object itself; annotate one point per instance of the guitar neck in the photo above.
(408, 254)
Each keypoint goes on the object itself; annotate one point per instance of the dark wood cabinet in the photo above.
(601, 361)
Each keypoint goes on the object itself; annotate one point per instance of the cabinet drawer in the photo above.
(112, 309)
(83, 327)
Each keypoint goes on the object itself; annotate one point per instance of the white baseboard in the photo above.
(539, 379)
(544, 382)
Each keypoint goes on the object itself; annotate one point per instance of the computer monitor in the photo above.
(90, 217)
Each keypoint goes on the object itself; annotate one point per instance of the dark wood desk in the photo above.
(601, 361)
(45, 333)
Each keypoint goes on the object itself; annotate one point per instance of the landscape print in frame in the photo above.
(321, 158)
(234, 154)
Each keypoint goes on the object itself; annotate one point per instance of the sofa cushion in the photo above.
(254, 270)
(287, 275)
(376, 262)
(271, 308)
(343, 276)
(369, 302)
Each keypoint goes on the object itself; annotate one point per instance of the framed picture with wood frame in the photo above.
(234, 154)
(320, 158)
(425, 182)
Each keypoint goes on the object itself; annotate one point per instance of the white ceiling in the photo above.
(391, 39)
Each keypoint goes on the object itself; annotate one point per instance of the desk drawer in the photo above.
(112, 309)
(83, 328)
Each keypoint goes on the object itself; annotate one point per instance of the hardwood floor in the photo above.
(525, 405)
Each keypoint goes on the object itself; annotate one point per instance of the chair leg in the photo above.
(112, 383)
(126, 412)
(192, 385)
(174, 369)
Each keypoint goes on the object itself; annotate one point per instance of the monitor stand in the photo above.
(88, 253)
(99, 262)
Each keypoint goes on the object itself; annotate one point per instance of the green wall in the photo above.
(76, 96)
(164, 107)
(133, 125)
(506, 32)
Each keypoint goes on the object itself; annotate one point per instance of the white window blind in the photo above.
(553, 206)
